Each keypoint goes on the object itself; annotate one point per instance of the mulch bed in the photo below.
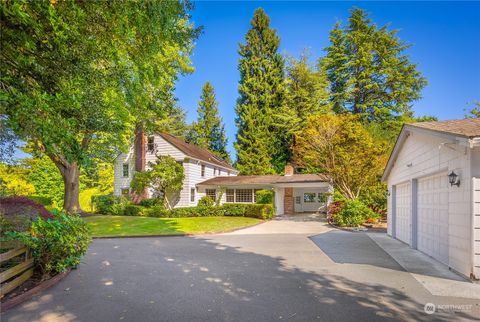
(28, 289)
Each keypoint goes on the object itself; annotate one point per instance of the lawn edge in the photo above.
(183, 235)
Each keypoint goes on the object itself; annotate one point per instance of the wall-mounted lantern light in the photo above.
(453, 179)
(387, 193)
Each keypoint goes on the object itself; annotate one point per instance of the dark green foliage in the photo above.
(206, 201)
(265, 197)
(156, 211)
(151, 202)
(104, 203)
(45, 201)
(249, 210)
(57, 244)
(351, 213)
(209, 131)
(133, 210)
(369, 72)
(262, 94)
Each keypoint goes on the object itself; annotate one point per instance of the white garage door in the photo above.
(403, 212)
(432, 230)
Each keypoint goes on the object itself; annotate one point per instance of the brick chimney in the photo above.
(288, 169)
(140, 147)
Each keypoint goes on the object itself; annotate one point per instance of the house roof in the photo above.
(264, 179)
(469, 128)
(196, 152)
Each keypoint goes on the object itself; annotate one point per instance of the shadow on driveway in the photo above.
(194, 279)
(354, 248)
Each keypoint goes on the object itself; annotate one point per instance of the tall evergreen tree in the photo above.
(262, 94)
(370, 73)
(306, 94)
(209, 131)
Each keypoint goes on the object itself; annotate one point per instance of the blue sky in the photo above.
(445, 38)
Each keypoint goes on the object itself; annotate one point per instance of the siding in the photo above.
(476, 227)
(423, 155)
(192, 170)
(120, 182)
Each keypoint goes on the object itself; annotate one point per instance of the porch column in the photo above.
(288, 201)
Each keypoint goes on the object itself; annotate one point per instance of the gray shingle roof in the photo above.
(265, 179)
(195, 152)
(469, 128)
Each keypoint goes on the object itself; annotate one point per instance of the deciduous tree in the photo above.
(340, 146)
(78, 76)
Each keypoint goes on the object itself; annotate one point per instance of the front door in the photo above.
(309, 200)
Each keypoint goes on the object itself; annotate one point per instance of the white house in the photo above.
(207, 174)
(433, 177)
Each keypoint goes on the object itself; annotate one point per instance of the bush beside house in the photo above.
(110, 205)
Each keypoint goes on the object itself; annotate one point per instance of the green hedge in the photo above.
(261, 211)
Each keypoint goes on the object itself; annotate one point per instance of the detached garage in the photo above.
(433, 177)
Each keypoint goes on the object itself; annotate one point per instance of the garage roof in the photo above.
(264, 179)
(469, 128)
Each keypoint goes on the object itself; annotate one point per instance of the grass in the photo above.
(111, 226)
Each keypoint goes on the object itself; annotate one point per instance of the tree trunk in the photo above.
(71, 178)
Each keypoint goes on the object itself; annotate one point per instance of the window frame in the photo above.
(309, 200)
(230, 198)
(192, 194)
(125, 169)
(244, 196)
(151, 145)
(208, 193)
(202, 171)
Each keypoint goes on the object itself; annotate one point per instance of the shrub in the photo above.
(104, 204)
(157, 211)
(195, 212)
(133, 210)
(234, 209)
(353, 213)
(56, 244)
(206, 201)
(248, 210)
(264, 197)
(151, 202)
(44, 201)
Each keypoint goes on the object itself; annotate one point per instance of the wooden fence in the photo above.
(13, 276)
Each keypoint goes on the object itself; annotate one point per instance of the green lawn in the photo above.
(109, 226)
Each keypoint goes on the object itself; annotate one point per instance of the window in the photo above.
(125, 192)
(151, 144)
(214, 172)
(228, 173)
(322, 197)
(298, 200)
(219, 172)
(192, 194)
(243, 195)
(203, 170)
(212, 193)
(230, 193)
(309, 197)
(125, 170)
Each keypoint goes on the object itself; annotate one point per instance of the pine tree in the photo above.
(369, 72)
(209, 131)
(261, 91)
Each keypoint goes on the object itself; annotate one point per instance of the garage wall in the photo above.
(423, 155)
(476, 227)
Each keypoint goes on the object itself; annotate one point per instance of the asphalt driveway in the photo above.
(280, 270)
